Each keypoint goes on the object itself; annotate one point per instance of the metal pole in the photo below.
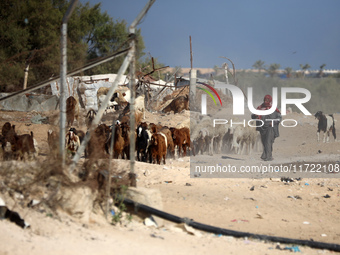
(132, 106)
(132, 85)
(192, 88)
(108, 186)
(63, 77)
(62, 99)
(141, 15)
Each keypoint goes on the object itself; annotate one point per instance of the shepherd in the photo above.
(270, 128)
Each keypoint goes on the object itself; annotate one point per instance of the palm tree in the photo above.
(288, 71)
(272, 70)
(321, 70)
(304, 68)
(259, 64)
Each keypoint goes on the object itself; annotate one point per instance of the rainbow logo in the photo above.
(209, 93)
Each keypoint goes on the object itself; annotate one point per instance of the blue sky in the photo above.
(286, 32)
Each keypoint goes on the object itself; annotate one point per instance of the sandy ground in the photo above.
(306, 209)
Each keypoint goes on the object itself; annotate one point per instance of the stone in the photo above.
(149, 197)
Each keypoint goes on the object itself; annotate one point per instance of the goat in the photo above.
(181, 139)
(142, 141)
(91, 114)
(119, 99)
(325, 124)
(72, 142)
(7, 127)
(72, 111)
(5, 149)
(126, 118)
(25, 145)
(154, 128)
(119, 142)
(170, 142)
(177, 105)
(111, 104)
(10, 143)
(126, 136)
(2, 147)
(80, 134)
(97, 146)
(157, 147)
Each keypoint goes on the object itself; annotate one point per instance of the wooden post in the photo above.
(190, 53)
(27, 67)
(26, 75)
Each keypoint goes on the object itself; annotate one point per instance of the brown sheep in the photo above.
(170, 143)
(181, 138)
(154, 128)
(126, 136)
(80, 134)
(178, 104)
(25, 145)
(7, 127)
(126, 118)
(119, 142)
(97, 145)
(10, 136)
(157, 149)
(2, 147)
(72, 111)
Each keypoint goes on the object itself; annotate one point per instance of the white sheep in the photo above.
(120, 97)
(110, 105)
(244, 139)
(140, 104)
(36, 147)
(204, 129)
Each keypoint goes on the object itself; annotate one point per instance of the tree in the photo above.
(28, 27)
(304, 68)
(320, 74)
(272, 70)
(259, 64)
(103, 37)
(288, 71)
